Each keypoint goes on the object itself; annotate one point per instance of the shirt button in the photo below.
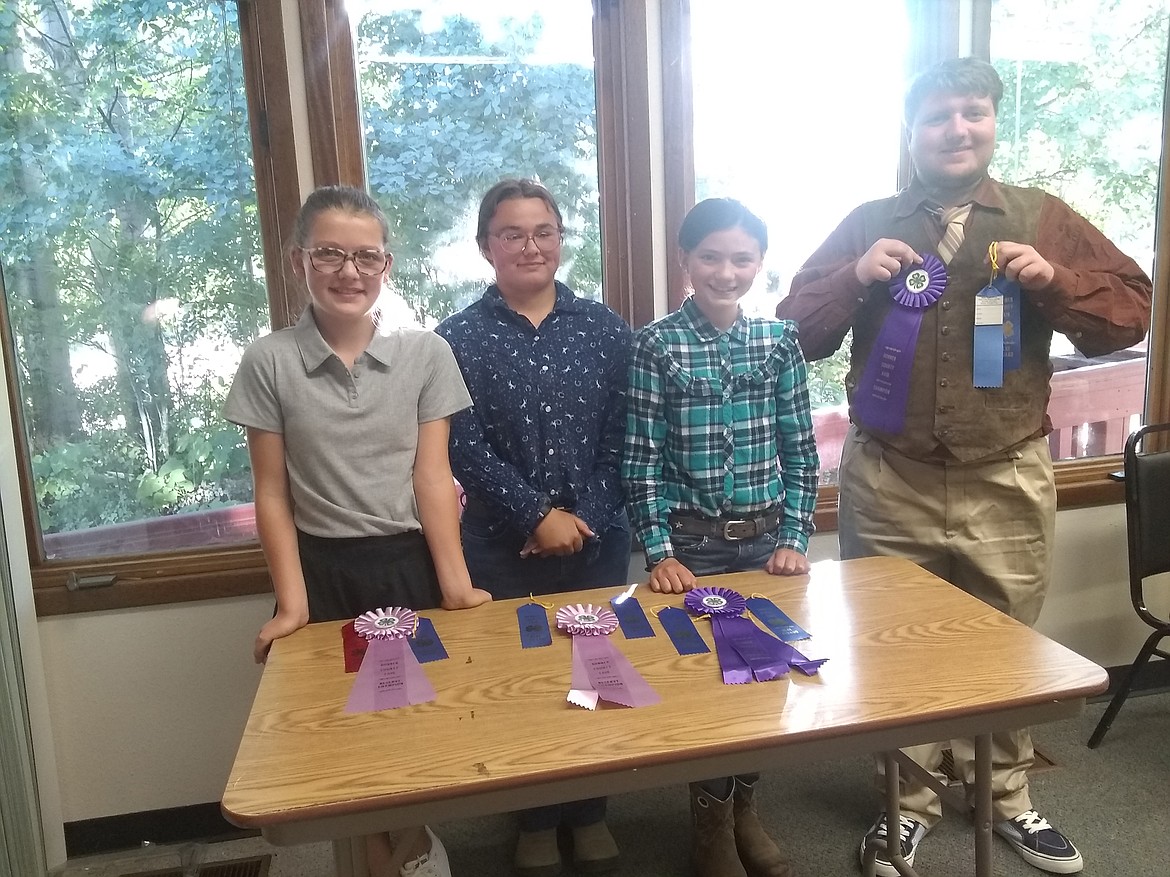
(945, 330)
(946, 305)
(551, 451)
(946, 357)
(943, 382)
(548, 409)
(535, 337)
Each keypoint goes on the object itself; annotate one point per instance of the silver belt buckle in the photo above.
(731, 537)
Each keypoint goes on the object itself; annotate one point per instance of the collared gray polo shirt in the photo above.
(350, 436)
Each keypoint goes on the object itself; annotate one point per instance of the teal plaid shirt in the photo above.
(718, 423)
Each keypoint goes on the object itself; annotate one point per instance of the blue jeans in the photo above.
(492, 550)
(709, 556)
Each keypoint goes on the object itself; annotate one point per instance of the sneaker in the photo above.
(432, 864)
(1039, 844)
(910, 831)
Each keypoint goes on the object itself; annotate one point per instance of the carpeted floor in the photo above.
(1110, 801)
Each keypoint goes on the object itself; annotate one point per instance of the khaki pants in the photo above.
(986, 527)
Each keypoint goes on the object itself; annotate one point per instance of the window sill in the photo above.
(183, 578)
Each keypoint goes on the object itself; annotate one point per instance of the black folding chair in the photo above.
(1147, 517)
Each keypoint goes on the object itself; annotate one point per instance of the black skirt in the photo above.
(346, 577)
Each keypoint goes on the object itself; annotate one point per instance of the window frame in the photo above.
(191, 574)
(624, 31)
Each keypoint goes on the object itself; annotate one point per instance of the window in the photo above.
(133, 270)
(455, 95)
(114, 205)
(1086, 128)
(800, 157)
(1118, 120)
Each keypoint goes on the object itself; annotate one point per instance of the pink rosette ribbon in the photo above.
(386, 623)
(390, 675)
(600, 671)
(586, 619)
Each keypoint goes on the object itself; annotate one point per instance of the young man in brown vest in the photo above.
(947, 461)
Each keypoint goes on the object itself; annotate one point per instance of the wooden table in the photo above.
(501, 736)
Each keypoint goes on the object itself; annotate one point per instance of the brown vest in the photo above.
(946, 416)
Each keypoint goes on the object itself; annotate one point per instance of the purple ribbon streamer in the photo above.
(746, 652)
(884, 388)
(741, 656)
(389, 677)
(599, 667)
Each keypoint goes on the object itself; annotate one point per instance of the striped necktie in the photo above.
(953, 220)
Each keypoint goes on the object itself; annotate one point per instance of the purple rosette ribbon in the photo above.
(390, 675)
(880, 399)
(599, 670)
(715, 601)
(745, 651)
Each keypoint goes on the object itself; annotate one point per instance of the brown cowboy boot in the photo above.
(760, 855)
(713, 836)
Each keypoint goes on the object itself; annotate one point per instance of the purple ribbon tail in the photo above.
(734, 668)
(882, 393)
(761, 652)
(807, 666)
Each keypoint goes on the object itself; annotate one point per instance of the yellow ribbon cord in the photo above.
(532, 599)
(993, 257)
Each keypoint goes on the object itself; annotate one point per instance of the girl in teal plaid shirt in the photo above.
(720, 468)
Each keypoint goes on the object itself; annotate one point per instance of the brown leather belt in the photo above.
(730, 529)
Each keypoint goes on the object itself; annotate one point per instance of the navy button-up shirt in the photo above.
(549, 407)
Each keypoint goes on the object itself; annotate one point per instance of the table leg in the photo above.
(893, 825)
(349, 857)
(983, 805)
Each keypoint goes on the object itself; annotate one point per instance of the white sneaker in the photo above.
(432, 864)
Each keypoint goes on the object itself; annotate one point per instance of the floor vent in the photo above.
(253, 866)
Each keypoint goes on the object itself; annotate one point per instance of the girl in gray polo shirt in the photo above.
(347, 426)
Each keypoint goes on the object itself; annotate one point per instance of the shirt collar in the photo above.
(913, 197)
(315, 350)
(566, 300)
(705, 329)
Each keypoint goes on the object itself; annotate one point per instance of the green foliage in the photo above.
(1087, 126)
(129, 243)
(439, 135)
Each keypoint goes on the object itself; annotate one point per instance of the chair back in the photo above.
(1147, 511)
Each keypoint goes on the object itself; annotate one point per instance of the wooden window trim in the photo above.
(620, 40)
(336, 144)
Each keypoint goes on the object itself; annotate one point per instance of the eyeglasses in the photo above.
(330, 260)
(546, 240)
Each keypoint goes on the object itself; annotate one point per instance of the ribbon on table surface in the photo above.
(884, 388)
(599, 670)
(632, 618)
(533, 624)
(745, 651)
(390, 675)
(425, 644)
